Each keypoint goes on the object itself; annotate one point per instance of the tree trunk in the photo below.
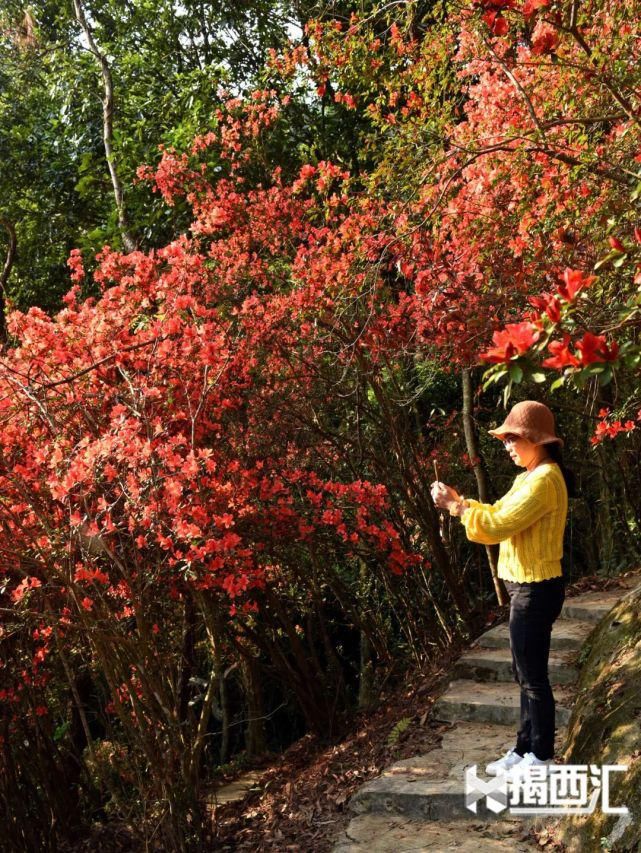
(187, 661)
(366, 669)
(471, 443)
(4, 277)
(255, 739)
(404, 452)
(107, 126)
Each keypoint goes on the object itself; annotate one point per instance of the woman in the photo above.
(529, 523)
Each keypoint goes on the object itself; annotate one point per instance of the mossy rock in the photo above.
(605, 728)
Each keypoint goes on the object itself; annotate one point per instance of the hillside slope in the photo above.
(605, 728)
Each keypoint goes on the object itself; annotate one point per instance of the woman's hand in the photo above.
(442, 495)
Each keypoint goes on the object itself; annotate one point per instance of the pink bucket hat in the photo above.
(531, 420)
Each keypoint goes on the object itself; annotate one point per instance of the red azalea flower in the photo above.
(594, 348)
(561, 356)
(496, 22)
(575, 280)
(531, 6)
(549, 303)
(514, 339)
(545, 39)
(496, 5)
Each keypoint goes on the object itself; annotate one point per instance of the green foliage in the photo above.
(399, 729)
(168, 61)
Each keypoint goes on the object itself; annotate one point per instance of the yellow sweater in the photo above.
(528, 521)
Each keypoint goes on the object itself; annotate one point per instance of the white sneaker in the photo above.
(529, 760)
(502, 765)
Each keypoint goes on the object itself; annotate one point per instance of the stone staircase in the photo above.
(419, 804)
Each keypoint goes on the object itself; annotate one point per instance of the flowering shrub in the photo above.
(222, 447)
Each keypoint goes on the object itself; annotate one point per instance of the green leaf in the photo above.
(606, 259)
(85, 185)
(516, 373)
(494, 376)
(61, 731)
(506, 393)
(606, 376)
(557, 383)
(398, 730)
(581, 377)
(618, 262)
(539, 377)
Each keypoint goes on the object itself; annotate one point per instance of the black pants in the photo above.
(534, 606)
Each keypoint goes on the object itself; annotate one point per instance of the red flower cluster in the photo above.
(514, 339)
(545, 39)
(594, 348)
(530, 7)
(561, 356)
(549, 304)
(610, 430)
(493, 14)
(23, 587)
(590, 349)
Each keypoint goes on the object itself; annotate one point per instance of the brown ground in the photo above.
(302, 800)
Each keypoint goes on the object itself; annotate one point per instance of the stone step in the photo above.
(496, 665)
(235, 790)
(566, 634)
(432, 786)
(586, 612)
(496, 702)
(593, 606)
(419, 804)
(388, 833)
